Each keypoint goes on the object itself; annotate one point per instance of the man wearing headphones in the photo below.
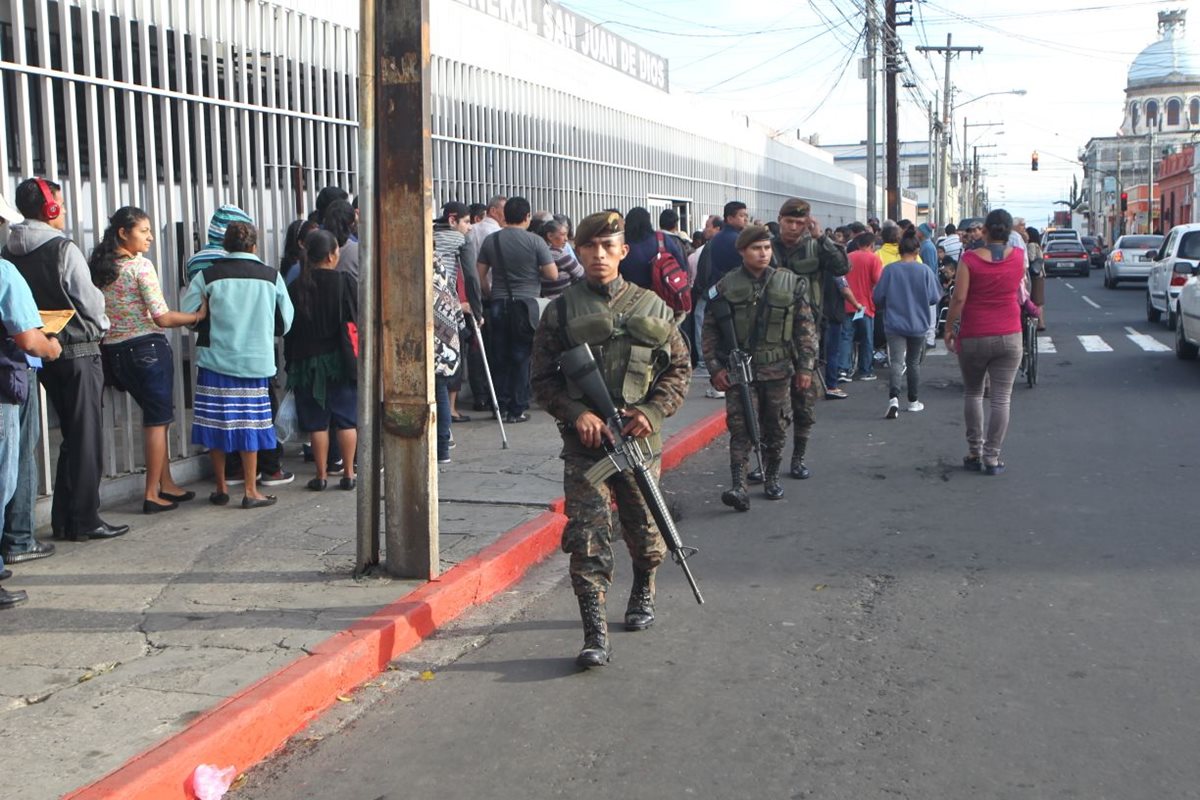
(58, 275)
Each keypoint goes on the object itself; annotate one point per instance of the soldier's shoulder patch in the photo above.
(713, 293)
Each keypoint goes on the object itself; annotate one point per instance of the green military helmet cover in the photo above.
(600, 224)
(751, 234)
(795, 207)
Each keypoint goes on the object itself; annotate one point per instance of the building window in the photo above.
(1151, 112)
(1194, 110)
(1174, 111)
(918, 176)
(1133, 114)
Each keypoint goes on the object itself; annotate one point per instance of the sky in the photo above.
(793, 65)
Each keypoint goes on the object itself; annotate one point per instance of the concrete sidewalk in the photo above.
(123, 643)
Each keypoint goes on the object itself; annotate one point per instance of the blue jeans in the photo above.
(833, 353)
(509, 356)
(441, 387)
(10, 451)
(19, 522)
(864, 331)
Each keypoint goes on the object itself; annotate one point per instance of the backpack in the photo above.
(669, 280)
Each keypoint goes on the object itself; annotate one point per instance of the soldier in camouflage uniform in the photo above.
(647, 367)
(773, 322)
(802, 247)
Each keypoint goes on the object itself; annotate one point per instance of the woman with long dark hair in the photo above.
(984, 328)
(322, 369)
(135, 351)
(643, 248)
(292, 260)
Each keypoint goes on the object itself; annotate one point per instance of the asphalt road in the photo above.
(895, 628)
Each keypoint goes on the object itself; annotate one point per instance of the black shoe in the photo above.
(639, 614)
(10, 599)
(317, 484)
(58, 534)
(259, 502)
(178, 498)
(347, 484)
(754, 476)
(771, 488)
(799, 471)
(596, 650)
(101, 531)
(5, 574)
(973, 463)
(219, 499)
(477, 406)
(39, 550)
(151, 507)
(513, 420)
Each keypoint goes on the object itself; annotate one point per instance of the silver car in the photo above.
(1128, 259)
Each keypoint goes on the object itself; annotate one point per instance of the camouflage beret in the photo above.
(751, 234)
(795, 207)
(602, 223)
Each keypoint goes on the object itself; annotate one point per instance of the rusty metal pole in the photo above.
(404, 186)
(369, 497)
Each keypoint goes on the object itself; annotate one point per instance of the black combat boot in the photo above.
(754, 476)
(736, 496)
(799, 471)
(596, 651)
(639, 614)
(772, 489)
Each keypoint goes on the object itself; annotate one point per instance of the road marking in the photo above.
(1046, 345)
(1069, 286)
(1090, 301)
(1094, 344)
(1146, 342)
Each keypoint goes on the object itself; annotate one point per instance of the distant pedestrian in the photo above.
(322, 367)
(866, 268)
(907, 290)
(341, 221)
(951, 243)
(248, 306)
(722, 249)
(569, 269)
(137, 354)
(984, 328)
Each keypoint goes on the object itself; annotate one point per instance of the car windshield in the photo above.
(1141, 242)
(1089, 241)
(1063, 245)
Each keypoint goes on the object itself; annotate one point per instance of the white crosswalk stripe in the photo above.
(1094, 344)
(1146, 342)
(1046, 345)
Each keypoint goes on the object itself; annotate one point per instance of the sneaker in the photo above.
(844, 378)
(279, 478)
(445, 460)
(916, 405)
(713, 394)
(835, 394)
(335, 466)
(235, 480)
(866, 376)
(893, 409)
(453, 444)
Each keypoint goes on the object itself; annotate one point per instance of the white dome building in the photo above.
(1163, 90)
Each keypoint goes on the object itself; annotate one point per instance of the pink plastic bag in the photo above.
(211, 783)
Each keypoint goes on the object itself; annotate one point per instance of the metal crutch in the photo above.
(487, 371)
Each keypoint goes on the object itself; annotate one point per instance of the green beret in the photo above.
(795, 207)
(751, 234)
(600, 224)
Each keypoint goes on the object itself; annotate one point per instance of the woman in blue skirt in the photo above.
(248, 306)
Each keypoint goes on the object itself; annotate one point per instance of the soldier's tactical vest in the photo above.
(629, 338)
(774, 342)
(806, 265)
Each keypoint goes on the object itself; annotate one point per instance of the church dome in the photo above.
(1173, 59)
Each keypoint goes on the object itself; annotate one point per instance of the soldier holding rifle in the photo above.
(645, 366)
(768, 343)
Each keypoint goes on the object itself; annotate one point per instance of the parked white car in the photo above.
(1187, 330)
(1173, 265)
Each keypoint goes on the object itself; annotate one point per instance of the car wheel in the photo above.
(1109, 283)
(1152, 313)
(1183, 348)
(1172, 318)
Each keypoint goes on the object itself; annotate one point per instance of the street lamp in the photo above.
(989, 94)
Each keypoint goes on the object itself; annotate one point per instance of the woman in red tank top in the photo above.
(984, 328)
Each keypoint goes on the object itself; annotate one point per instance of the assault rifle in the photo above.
(625, 453)
(740, 375)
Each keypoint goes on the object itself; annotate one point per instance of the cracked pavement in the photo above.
(124, 642)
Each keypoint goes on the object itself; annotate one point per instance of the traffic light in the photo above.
(1124, 201)
(1035, 161)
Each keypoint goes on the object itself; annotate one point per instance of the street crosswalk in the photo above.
(1093, 343)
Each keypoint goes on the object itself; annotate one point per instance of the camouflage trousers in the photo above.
(804, 409)
(589, 533)
(774, 411)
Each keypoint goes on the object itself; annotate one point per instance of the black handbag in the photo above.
(523, 313)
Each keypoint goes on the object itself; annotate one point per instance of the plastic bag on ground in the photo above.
(210, 782)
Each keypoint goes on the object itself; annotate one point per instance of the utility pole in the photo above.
(872, 75)
(402, 249)
(891, 63)
(1150, 182)
(949, 51)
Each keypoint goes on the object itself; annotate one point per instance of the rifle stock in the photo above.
(626, 453)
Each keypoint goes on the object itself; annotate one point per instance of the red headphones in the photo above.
(50, 208)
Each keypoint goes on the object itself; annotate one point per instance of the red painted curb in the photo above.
(257, 721)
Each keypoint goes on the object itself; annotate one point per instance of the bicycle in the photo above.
(1029, 352)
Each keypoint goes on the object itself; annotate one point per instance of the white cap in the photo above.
(9, 213)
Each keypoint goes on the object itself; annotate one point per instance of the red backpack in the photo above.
(669, 279)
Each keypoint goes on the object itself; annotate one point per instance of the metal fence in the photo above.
(176, 106)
